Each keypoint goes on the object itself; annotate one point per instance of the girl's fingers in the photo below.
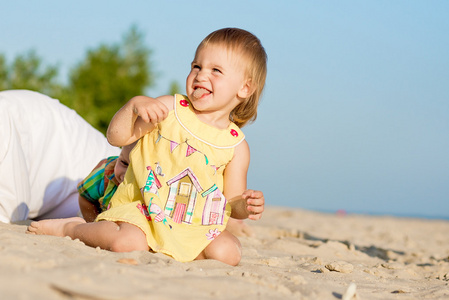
(255, 217)
(252, 194)
(255, 201)
(255, 209)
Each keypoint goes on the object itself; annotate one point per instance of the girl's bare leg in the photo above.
(117, 237)
(225, 248)
(239, 227)
(56, 227)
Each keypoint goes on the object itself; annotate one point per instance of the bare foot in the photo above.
(52, 227)
(239, 228)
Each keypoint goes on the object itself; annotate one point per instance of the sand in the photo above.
(293, 254)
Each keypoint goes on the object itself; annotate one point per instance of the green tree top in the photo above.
(27, 72)
(98, 86)
(108, 77)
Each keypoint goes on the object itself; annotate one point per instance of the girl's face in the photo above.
(216, 84)
(122, 163)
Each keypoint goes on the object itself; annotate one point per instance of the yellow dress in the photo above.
(172, 189)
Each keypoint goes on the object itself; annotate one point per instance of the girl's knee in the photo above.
(225, 248)
(130, 239)
(233, 257)
(128, 245)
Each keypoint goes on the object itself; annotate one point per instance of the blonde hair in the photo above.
(249, 46)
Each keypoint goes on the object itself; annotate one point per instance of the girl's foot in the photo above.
(54, 227)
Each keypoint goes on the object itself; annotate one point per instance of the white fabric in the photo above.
(45, 150)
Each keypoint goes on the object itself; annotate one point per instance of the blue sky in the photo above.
(355, 113)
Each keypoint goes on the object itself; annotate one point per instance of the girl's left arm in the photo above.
(136, 118)
(245, 203)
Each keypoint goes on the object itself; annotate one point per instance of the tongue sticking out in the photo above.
(200, 92)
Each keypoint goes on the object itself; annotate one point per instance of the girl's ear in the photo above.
(246, 90)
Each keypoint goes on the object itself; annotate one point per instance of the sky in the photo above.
(355, 112)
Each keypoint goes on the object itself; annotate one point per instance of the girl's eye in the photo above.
(196, 67)
(216, 70)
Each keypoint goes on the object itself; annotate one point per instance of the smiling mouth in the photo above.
(200, 92)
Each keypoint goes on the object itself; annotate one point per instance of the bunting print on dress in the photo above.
(190, 150)
(158, 138)
(173, 145)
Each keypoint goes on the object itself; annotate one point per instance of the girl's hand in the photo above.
(150, 110)
(136, 118)
(255, 202)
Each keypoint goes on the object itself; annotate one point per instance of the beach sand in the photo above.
(293, 254)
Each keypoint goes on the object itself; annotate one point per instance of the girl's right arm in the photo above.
(89, 210)
(136, 118)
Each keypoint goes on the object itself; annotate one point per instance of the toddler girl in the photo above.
(187, 173)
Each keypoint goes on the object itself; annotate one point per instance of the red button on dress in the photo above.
(184, 103)
(234, 133)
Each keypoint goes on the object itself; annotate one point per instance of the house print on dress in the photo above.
(152, 185)
(184, 190)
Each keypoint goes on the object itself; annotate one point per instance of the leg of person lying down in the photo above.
(45, 150)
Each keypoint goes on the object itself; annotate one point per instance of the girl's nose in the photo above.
(201, 75)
